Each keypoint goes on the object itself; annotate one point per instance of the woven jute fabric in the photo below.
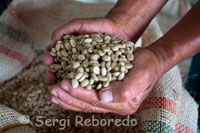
(10, 119)
(16, 47)
(168, 108)
(27, 25)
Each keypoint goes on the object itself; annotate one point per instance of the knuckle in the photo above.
(53, 87)
(89, 109)
(126, 93)
(64, 82)
(129, 109)
(95, 102)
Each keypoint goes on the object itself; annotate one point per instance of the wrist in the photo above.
(129, 25)
(164, 59)
(133, 16)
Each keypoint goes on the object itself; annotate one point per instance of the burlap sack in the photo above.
(16, 47)
(13, 122)
(27, 25)
(168, 108)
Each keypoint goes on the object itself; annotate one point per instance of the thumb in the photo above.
(116, 93)
(106, 94)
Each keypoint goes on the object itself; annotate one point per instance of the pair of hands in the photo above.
(121, 97)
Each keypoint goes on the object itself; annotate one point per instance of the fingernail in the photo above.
(54, 93)
(65, 86)
(106, 96)
(54, 100)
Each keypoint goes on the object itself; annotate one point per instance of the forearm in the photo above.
(181, 42)
(134, 15)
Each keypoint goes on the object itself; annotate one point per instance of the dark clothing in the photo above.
(193, 81)
(3, 5)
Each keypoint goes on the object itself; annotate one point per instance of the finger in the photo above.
(70, 100)
(70, 28)
(50, 76)
(64, 105)
(69, 107)
(123, 99)
(118, 99)
(91, 96)
(106, 95)
(48, 60)
(116, 94)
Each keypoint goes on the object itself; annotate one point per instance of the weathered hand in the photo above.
(84, 26)
(121, 97)
(88, 26)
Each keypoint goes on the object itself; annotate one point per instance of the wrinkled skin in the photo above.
(121, 97)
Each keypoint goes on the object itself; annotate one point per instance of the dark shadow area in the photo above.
(3, 5)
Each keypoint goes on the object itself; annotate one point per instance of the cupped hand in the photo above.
(85, 26)
(89, 26)
(121, 97)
